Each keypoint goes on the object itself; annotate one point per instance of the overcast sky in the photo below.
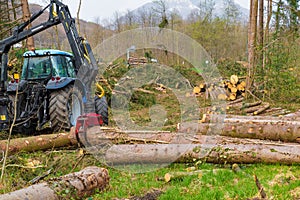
(91, 9)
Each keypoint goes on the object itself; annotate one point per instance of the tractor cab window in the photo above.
(36, 67)
(62, 66)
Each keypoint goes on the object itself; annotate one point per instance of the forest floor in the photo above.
(280, 182)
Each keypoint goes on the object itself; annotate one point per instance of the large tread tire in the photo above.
(101, 108)
(61, 108)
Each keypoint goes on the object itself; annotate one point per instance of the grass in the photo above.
(279, 181)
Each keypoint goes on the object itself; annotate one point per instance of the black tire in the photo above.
(64, 108)
(101, 108)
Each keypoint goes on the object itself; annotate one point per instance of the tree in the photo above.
(129, 20)
(26, 17)
(232, 13)
(9, 10)
(117, 24)
(252, 42)
(161, 9)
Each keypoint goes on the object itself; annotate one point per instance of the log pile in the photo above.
(233, 88)
(240, 107)
(254, 108)
(241, 139)
(137, 61)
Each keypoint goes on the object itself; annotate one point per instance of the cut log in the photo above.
(248, 105)
(77, 185)
(263, 109)
(226, 150)
(293, 116)
(271, 128)
(253, 109)
(41, 142)
(234, 79)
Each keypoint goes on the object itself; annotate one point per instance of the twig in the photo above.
(9, 135)
(79, 160)
(253, 95)
(260, 188)
(25, 167)
(38, 178)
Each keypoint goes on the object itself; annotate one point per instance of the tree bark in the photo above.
(226, 150)
(270, 128)
(72, 186)
(41, 142)
(261, 31)
(285, 128)
(26, 17)
(252, 42)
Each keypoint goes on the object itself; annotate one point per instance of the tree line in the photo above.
(267, 43)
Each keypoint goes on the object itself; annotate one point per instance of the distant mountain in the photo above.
(185, 7)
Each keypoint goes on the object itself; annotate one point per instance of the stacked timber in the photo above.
(234, 88)
(137, 61)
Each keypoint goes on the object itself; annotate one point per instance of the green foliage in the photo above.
(228, 67)
(281, 76)
(219, 37)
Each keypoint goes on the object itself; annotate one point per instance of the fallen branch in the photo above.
(261, 190)
(72, 186)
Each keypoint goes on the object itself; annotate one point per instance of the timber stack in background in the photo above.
(233, 88)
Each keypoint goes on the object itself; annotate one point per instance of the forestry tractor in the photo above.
(55, 87)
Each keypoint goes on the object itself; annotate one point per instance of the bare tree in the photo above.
(117, 22)
(161, 9)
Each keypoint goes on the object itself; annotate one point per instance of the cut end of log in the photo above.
(167, 177)
(234, 79)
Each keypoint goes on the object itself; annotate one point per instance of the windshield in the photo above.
(41, 67)
(36, 67)
(62, 66)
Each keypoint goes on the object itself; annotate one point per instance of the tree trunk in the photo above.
(261, 31)
(270, 128)
(41, 142)
(252, 42)
(72, 186)
(226, 150)
(26, 17)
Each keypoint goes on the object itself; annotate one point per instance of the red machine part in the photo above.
(87, 120)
